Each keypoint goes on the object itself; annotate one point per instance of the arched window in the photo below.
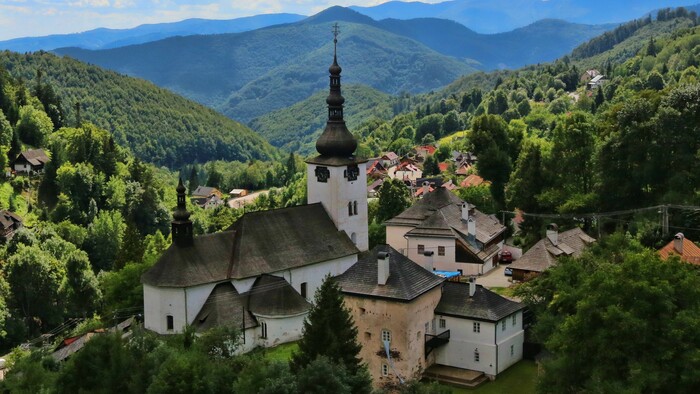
(170, 324)
(353, 238)
(263, 330)
(349, 208)
(354, 207)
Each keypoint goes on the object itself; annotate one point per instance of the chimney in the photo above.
(426, 188)
(472, 286)
(429, 265)
(471, 228)
(465, 211)
(678, 243)
(553, 233)
(382, 268)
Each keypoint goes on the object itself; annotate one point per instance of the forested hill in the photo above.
(297, 127)
(157, 125)
(248, 74)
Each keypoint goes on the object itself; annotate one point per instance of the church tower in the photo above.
(336, 177)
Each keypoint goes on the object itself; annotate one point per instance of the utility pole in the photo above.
(664, 221)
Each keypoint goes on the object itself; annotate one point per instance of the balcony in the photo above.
(435, 341)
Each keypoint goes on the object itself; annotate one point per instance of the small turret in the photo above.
(181, 228)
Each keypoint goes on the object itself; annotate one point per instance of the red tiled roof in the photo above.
(443, 166)
(428, 148)
(691, 252)
(472, 180)
(463, 169)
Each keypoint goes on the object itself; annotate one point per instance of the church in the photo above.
(260, 275)
(262, 272)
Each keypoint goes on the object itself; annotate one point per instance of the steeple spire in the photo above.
(336, 140)
(181, 226)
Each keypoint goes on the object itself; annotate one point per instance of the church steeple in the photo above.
(181, 225)
(336, 140)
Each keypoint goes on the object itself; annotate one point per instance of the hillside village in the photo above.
(512, 221)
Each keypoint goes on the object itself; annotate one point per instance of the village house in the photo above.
(545, 252)
(406, 171)
(596, 81)
(473, 180)
(682, 247)
(464, 239)
(375, 169)
(9, 223)
(30, 161)
(589, 74)
(423, 151)
(412, 323)
(237, 193)
(389, 159)
(207, 197)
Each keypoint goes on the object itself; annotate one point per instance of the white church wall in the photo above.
(195, 297)
(161, 302)
(314, 274)
(279, 329)
(336, 193)
(243, 285)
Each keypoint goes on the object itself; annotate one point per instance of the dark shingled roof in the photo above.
(407, 280)
(484, 305)
(442, 210)
(9, 219)
(204, 191)
(258, 243)
(543, 254)
(224, 307)
(274, 296)
(34, 157)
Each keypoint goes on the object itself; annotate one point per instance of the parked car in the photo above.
(508, 271)
(506, 257)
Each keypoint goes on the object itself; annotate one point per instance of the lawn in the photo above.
(518, 379)
(504, 291)
(282, 352)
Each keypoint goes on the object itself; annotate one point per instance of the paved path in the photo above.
(245, 200)
(495, 278)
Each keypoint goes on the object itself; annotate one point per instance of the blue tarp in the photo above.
(446, 274)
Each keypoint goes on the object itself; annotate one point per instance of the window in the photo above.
(354, 208)
(303, 289)
(421, 249)
(349, 208)
(512, 350)
(515, 318)
(503, 325)
(443, 323)
(460, 272)
(385, 370)
(476, 355)
(386, 335)
(169, 322)
(263, 329)
(322, 174)
(477, 327)
(441, 250)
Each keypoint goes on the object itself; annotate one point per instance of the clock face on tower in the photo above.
(322, 174)
(352, 172)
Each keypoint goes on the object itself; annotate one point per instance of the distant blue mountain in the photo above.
(496, 16)
(113, 38)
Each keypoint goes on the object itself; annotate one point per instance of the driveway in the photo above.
(495, 278)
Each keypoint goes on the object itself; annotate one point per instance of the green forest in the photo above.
(98, 214)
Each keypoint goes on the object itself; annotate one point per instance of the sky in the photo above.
(31, 18)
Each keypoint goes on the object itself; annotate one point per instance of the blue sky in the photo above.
(23, 18)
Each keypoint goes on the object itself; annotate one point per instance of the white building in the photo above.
(462, 238)
(261, 273)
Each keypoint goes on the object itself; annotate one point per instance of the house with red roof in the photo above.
(683, 248)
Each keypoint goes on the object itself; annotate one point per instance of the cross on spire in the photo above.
(336, 31)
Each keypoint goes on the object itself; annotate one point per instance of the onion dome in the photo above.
(336, 140)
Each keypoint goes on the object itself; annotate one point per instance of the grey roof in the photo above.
(407, 280)
(484, 305)
(543, 254)
(204, 191)
(224, 307)
(9, 219)
(34, 157)
(274, 296)
(258, 243)
(439, 214)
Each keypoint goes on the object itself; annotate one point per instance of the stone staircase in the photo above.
(463, 378)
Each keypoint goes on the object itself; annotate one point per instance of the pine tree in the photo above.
(330, 331)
